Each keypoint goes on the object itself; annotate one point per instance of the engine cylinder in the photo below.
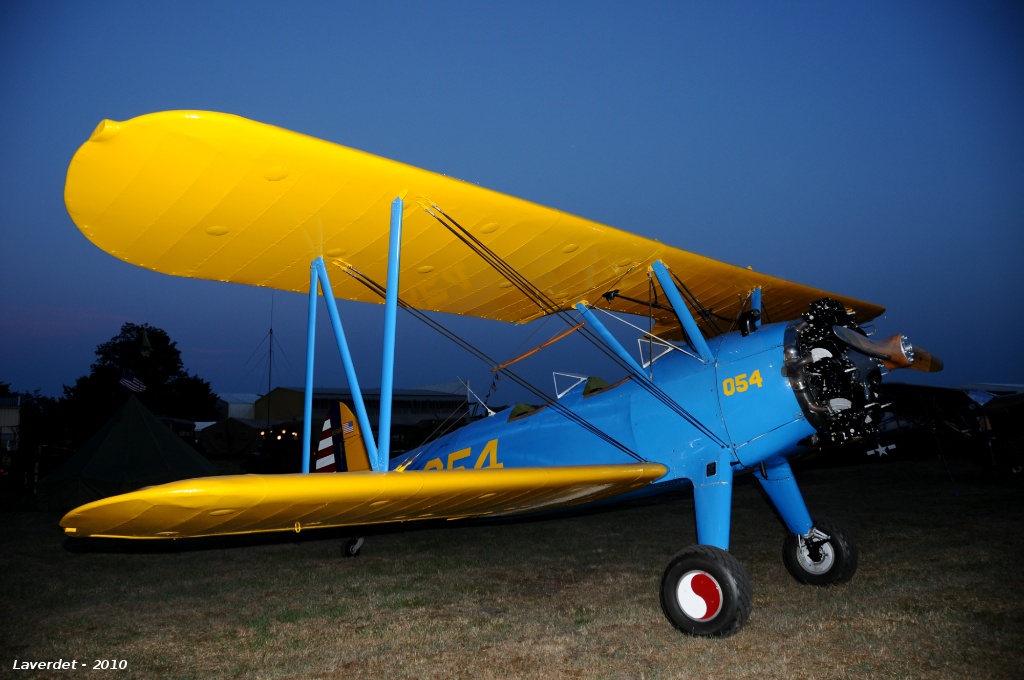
(836, 386)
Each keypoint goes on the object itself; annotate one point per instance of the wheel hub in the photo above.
(815, 552)
(699, 595)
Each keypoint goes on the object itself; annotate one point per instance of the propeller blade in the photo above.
(864, 345)
(926, 361)
(895, 352)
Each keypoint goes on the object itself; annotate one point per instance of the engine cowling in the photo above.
(836, 386)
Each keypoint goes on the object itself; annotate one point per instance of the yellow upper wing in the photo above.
(216, 196)
(244, 504)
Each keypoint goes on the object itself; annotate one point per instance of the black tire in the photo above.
(827, 558)
(705, 591)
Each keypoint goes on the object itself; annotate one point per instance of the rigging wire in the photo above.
(447, 423)
(480, 401)
(497, 374)
(480, 354)
(549, 306)
(705, 313)
(546, 343)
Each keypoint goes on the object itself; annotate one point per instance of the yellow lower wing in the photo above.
(246, 504)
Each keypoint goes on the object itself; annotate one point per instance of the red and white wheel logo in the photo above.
(699, 596)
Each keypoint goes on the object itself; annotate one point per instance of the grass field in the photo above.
(939, 593)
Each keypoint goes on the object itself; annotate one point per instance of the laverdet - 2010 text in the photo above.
(71, 665)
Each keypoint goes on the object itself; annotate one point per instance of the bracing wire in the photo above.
(481, 355)
(549, 306)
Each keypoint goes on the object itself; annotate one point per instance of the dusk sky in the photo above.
(873, 149)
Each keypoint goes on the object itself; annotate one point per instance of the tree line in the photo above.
(142, 361)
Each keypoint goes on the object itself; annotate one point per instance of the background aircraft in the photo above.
(738, 371)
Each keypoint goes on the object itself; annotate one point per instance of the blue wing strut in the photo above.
(379, 456)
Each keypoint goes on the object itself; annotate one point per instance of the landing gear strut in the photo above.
(705, 591)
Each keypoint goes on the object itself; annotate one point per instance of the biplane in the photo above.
(738, 371)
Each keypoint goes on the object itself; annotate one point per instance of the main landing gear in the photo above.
(706, 592)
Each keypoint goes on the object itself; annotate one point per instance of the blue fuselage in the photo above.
(742, 403)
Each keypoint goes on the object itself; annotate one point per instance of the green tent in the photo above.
(131, 451)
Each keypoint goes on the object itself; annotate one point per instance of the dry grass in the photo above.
(938, 594)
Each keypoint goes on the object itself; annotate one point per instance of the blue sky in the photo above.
(874, 149)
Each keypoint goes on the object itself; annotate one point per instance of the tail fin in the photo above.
(341, 447)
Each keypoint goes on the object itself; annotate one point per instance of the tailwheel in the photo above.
(352, 547)
(705, 591)
(826, 556)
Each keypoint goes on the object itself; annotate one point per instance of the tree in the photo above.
(142, 360)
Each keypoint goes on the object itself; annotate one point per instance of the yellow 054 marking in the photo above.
(488, 458)
(741, 383)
